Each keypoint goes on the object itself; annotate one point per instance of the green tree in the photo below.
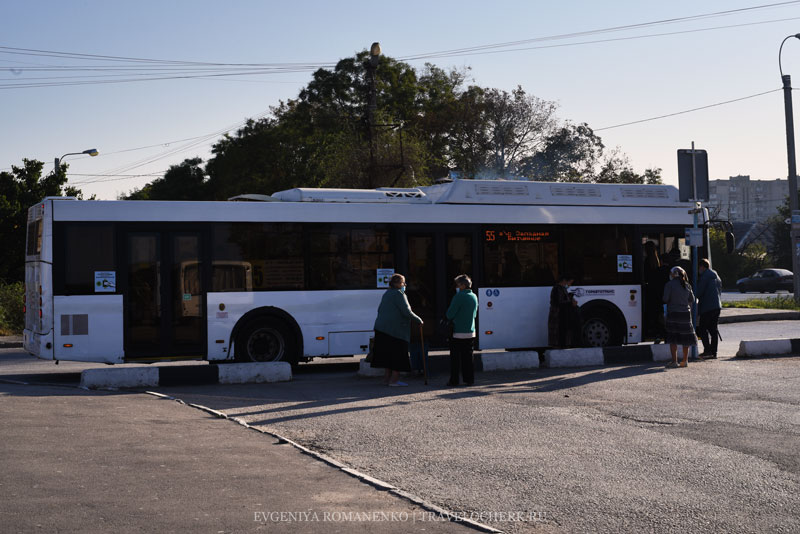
(779, 231)
(20, 189)
(570, 154)
(617, 169)
(426, 124)
(739, 263)
(186, 181)
(519, 125)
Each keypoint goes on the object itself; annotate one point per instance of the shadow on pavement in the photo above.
(312, 395)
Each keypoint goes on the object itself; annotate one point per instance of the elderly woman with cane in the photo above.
(392, 332)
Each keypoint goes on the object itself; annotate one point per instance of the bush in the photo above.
(731, 267)
(778, 302)
(12, 320)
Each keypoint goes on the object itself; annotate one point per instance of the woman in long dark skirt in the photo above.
(679, 299)
(561, 330)
(392, 332)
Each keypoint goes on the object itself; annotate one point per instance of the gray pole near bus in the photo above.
(694, 245)
(794, 233)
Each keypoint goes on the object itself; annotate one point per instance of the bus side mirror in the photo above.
(730, 242)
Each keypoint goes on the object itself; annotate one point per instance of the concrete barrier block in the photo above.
(574, 357)
(364, 369)
(661, 353)
(119, 377)
(501, 361)
(254, 372)
(765, 347)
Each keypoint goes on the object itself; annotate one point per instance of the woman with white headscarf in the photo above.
(679, 299)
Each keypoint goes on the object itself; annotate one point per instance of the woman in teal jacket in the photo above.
(392, 332)
(461, 312)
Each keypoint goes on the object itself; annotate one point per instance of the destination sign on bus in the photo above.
(501, 236)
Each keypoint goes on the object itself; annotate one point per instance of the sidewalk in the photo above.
(74, 461)
(10, 342)
(744, 315)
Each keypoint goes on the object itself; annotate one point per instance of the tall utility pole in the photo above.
(790, 150)
(372, 105)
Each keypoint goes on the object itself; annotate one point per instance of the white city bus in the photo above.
(301, 275)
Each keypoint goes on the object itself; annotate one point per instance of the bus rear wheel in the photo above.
(265, 340)
(602, 329)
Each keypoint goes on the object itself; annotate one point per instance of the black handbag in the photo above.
(445, 328)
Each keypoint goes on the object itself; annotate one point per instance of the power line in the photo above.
(628, 27)
(193, 142)
(150, 69)
(687, 111)
(611, 40)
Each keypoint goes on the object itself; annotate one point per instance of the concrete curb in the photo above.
(573, 357)
(782, 315)
(507, 361)
(232, 373)
(10, 344)
(587, 357)
(484, 361)
(768, 347)
(364, 369)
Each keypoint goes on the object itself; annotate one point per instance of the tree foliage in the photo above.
(738, 264)
(427, 123)
(779, 231)
(186, 181)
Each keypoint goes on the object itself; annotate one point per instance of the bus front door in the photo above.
(164, 296)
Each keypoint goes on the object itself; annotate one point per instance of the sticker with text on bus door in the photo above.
(624, 263)
(384, 275)
(105, 281)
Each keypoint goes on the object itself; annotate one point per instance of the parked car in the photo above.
(767, 280)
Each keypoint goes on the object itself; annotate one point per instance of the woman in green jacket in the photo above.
(392, 332)
(461, 312)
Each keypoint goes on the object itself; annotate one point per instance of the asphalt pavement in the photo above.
(711, 448)
(637, 448)
(99, 462)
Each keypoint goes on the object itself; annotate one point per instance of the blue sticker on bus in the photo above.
(488, 292)
(496, 292)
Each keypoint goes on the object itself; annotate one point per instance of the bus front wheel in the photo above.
(265, 340)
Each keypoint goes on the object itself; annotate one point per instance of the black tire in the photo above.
(266, 339)
(741, 289)
(601, 328)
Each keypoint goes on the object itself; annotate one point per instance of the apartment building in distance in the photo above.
(740, 199)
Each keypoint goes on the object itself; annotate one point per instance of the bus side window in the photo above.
(87, 248)
(520, 256)
(591, 253)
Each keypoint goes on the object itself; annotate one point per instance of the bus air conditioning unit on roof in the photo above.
(575, 191)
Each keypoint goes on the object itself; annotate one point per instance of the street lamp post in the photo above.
(91, 151)
(790, 149)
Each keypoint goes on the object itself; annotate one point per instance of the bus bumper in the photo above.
(40, 345)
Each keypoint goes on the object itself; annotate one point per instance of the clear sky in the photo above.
(624, 79)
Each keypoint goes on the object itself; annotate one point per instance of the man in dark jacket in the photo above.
(709, 288)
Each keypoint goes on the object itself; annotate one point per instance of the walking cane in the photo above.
(424, 355)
